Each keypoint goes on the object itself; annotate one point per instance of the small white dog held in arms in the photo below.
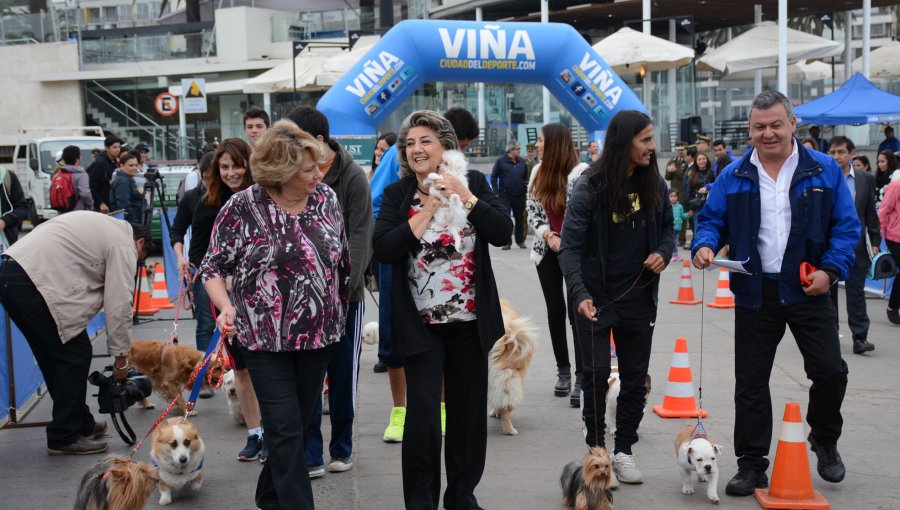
(454, 217)
(697, 454)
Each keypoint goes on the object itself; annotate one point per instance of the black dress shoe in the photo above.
(745, 482)
(862, 346)
(893, 316)
(830, 466)
(508, 246)
(563, 383)
(380, 367)
(521, 245)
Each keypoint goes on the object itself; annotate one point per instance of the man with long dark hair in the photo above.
(777, 207)
(619, 236)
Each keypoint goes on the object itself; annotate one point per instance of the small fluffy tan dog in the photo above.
(116, 483)
(234, 404)
(178, 452)
(169, 367)
(508, 363)
(697, 454)
(586, 486)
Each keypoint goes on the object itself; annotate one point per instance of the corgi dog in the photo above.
(177, 451)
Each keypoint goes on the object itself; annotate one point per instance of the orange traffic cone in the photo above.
(686, 291)
(160, 296)
(791, 485)
(144, 301)
(724, 297)
(679, 401)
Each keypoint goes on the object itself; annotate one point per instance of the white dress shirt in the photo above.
(851, 183)
(775, 211)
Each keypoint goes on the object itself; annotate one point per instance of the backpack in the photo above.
(62, 192)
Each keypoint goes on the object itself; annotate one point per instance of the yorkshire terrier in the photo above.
(586, 486)
(116, 483)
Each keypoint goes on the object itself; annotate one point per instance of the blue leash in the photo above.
(198, 382)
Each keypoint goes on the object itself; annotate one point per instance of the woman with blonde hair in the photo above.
(445, 311)
(549, 190)
(282, 240)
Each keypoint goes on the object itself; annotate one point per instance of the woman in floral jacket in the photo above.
(283, 242)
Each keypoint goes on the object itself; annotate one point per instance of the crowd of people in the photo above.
(286, 229)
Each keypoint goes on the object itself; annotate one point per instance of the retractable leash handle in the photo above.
(806, 269)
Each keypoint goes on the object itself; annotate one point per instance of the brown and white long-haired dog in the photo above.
(169, 367)
(116, 483)
(508, 363)
(585, 485)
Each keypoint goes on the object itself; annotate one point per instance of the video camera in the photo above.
(114, 398)
(152, 174)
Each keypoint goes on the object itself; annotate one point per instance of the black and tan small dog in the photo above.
(585, 485)
(116, 483)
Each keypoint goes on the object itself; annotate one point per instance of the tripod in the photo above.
(155, 186)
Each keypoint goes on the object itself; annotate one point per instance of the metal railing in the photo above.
(146, 47)
(30, 28)
(287, 26)
(129, 118)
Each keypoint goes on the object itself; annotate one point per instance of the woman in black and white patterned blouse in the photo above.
(445, 314)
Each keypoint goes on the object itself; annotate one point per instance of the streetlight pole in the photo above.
(298, 47)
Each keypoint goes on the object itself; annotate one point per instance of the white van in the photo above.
(35, 161)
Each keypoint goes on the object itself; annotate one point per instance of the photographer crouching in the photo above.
(52, 282)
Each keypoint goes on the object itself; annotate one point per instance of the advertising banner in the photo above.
(415, 52)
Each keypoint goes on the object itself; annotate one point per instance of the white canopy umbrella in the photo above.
(883, 62)
(309, 62)
(627, 50)
(758, 48)
(801, 71)
(338, 65)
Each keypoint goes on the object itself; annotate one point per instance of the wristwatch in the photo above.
(470, 203)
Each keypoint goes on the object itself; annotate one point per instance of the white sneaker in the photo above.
(340, 465)
(626, 471)
(613, 480)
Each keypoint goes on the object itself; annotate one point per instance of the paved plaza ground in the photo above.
(522, 472)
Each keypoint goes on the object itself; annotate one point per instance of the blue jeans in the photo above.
(202, 310)
(343, 375)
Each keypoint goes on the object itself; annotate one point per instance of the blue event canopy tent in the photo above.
(858, 101)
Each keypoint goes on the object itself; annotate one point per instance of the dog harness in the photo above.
(199, 466)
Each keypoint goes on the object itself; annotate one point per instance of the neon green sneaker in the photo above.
(394, 431)
(443, 419)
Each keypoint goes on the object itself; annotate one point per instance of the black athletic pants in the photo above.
(631, 322)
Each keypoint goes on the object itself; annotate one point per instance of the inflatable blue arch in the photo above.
(415, 52)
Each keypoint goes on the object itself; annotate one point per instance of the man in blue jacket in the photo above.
(778, 206)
